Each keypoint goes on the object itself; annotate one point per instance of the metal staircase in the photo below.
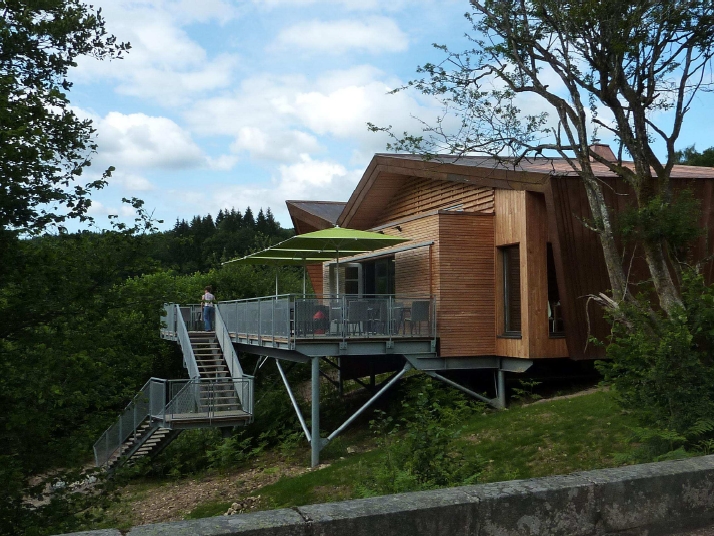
(217, 394)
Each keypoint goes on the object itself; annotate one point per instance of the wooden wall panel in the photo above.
(314, 272)
(510, 228)
(414, 269)
(540, 343)
(466, 316)
(422, 195)
(580, 261)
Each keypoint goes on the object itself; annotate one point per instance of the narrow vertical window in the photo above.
(511, 289)
(556, 325)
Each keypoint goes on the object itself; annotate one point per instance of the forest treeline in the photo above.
(80, 336)
(205, 242)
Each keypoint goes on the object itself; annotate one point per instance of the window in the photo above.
(379, 276)
(556, 326)
(353, 279)
(511, 258)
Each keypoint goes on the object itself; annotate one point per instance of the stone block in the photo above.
(273, 522)
(556, 506)
(447, 511)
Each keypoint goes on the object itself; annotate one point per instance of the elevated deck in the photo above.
(297, 327)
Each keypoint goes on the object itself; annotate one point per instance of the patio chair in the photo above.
(419, 314)
(379, 321)
(357, 316)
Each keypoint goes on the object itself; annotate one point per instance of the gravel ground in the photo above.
(172, 501)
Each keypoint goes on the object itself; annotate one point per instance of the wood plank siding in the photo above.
(314, 272)
(580, 262)
(422, 195)
(414, 269)
(466, 266)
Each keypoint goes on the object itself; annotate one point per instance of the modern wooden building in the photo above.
(495, 277)
(505, 251)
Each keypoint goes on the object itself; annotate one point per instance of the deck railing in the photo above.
(167, 402)
(290, 318)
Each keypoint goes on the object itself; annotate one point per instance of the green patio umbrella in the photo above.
(337, 241)
(273, 258)
(318, 247)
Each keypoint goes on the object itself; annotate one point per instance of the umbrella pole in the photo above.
(337, 270)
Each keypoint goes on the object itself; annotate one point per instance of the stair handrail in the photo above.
(189, 359)
(142, 406)
(229, 354)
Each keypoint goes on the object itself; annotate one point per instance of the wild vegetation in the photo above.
(82, 313)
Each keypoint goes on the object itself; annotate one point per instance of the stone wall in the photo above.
(643, 500)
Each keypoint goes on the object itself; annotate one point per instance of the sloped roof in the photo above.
(551, 166)
(310, 216)
(387, 173)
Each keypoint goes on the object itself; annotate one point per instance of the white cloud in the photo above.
(353, 5)
(283, 146)
(280, 117)
(141, 141)
(131, 182)
(164, 64)
(304, 179)
(374, 35)
(224, 162)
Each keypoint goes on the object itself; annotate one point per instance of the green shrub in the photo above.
(663, 372)
(421, 447)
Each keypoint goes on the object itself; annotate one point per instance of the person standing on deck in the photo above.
(208, 309)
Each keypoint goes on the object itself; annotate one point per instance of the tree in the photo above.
(580, 58)
(691, 157)
(45, 147)
(248, 219)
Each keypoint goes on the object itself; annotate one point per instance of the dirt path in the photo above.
(572, 395)
(173, 501)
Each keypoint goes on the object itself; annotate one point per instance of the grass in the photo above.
(556, 437)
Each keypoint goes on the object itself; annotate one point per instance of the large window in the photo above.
(511, 259)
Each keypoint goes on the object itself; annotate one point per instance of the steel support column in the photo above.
(292, 399)
(501, 388)
(491, 402)
(315, 440)
(369, 402)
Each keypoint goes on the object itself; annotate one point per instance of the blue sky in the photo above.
(236, 103)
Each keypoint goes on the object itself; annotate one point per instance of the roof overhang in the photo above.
(387, 174)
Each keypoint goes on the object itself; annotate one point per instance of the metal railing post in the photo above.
(390, 312)
(272, 319)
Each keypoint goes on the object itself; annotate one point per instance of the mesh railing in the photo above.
(141, 408)
(209, 398)
(364, 316)
(312, 316)
(187, 399)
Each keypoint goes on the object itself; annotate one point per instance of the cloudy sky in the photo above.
(236, 103)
